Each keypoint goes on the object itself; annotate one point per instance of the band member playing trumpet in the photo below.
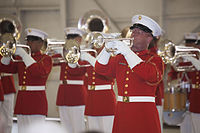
(192, 118)
(137, 72)
(6, 26)
(100, 100)
(71, 92)
(33, 71)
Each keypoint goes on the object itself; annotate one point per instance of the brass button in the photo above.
(65, 77)
(197, 72)
(197, 77)
(126, 92)
(127, 79)
(24, 77)
(126, 85)
(127, 72)
(93, 77)
(93, 83)
(197, 82)
(23, 82)
(65, 72)
(66, 67)
(24, 72)
(93, 73)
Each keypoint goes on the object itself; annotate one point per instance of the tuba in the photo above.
(10, 28)
(93, 20)
(173, 54)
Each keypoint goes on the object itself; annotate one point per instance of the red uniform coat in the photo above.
(31, 102)
(194, 94)
(142, 80)
(160, 87)
(98, 102)
(8, 84)
(68, 94)
(1, 92)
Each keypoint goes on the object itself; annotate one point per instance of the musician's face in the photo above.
(141, 39)
(35, 45)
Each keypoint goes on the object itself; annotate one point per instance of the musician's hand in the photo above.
(5, 60)
(194, 61)
(84, 56)
(20, 51)
(72, 65)
(28, 60)
(121, 47)
(109, 45)
(87, 57)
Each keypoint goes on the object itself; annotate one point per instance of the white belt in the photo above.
(135, 99)
(196, 86)
(6, 74)
(99, 87)
(32, 88)
(74, 82)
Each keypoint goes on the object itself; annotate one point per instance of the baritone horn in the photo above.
(173, 54)
(72, 52)
(10, 28)
(98, 39)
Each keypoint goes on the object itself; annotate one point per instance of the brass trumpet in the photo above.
(10, 28)
(172, 54)
(72, 52)
(98, 39)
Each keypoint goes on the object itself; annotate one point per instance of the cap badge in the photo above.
(139, 17)
(29, 30)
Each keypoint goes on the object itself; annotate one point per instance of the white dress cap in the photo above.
(35, 32)
(192, 36)
(148, 22)
(73, 30)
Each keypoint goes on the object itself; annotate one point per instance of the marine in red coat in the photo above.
(137, 72)
(33, 71)
(71, 92)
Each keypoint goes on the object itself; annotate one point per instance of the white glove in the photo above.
(5, 60)
(131, 58)
(194, 61)
(87, 57)
(103, 57)
(28, 60)
(72, 65)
